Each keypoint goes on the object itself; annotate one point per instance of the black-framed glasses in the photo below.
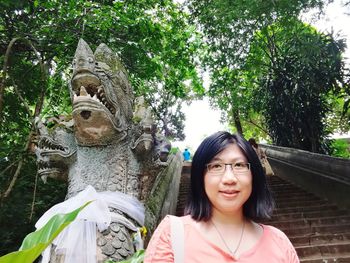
(218, 168)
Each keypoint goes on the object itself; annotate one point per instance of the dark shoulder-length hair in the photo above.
(260, 203)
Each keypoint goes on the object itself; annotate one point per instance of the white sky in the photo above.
(202, 121)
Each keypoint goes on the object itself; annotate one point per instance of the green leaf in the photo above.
(36, 242)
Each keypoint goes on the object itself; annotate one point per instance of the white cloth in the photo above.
(78, 241)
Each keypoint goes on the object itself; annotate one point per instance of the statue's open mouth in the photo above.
(45, 143)
(95, 93)
(87, 84)
(45, 168)
(50, 156)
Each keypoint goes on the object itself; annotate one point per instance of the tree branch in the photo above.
(258, 126)
(13, 181)
(4, 71)
(37, 111)
(8, 167)
(21, 98)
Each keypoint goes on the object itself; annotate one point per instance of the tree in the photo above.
(296, 69)
(229, 27)
(255, 41)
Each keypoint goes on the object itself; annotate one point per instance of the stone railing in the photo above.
(325, 176)
(163, 197)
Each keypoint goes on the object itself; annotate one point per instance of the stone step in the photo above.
(296, 198)
(310, 222)
(295, 195)
(308, 214)
(344, 258)
(319, 239)
(308, 230)
(284, 210)
(286, 195)
(184, 189)
(298, 203)
(321, 251)
(287, 191)
(283, 188)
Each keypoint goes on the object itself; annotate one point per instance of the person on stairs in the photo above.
(228, 195)
(187, 155)
(262, 157)
(261, 154)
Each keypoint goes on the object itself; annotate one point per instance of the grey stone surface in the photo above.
(163, 197)
(325, 176)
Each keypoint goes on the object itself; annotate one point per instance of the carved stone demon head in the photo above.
(55, 151)
(102, 96)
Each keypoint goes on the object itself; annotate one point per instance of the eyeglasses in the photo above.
(219, 168)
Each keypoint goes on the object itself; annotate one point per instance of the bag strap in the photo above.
(177, 238)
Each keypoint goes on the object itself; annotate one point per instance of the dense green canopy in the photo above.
(260, 55)
(293, 71)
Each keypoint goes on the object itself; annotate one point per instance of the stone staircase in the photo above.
(319, 230)
(184, 188)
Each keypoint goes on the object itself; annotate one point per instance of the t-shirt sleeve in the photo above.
(282, 240)
(159, 248)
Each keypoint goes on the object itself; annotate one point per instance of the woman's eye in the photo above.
(216, 166)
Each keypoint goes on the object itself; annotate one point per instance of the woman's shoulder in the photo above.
(166, 222)
(159, 248)
(276, 236)
(274, 231)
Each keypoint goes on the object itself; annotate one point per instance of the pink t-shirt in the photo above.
(273, 247)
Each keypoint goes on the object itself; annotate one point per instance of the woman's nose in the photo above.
(229, 175)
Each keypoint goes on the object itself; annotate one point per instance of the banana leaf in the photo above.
(36, 242)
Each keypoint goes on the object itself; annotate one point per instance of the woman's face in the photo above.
(228, 190)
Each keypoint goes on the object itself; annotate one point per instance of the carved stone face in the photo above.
(94, 122)
(54, 152)
(101, 96)
(84, 68)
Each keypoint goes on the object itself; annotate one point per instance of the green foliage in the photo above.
(35, 243)
(296, 69)
(229, 28)
(272, 73)
(16, 217)
(154, 40)
(174, 150)
(341, 148)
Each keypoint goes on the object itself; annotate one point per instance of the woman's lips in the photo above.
(229, 193)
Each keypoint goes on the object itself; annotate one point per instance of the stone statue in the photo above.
(103, 144)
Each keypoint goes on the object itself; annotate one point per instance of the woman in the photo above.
(228, 194)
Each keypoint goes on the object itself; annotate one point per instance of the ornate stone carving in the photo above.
(103, 145)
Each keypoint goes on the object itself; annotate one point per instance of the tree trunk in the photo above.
(237, 122)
